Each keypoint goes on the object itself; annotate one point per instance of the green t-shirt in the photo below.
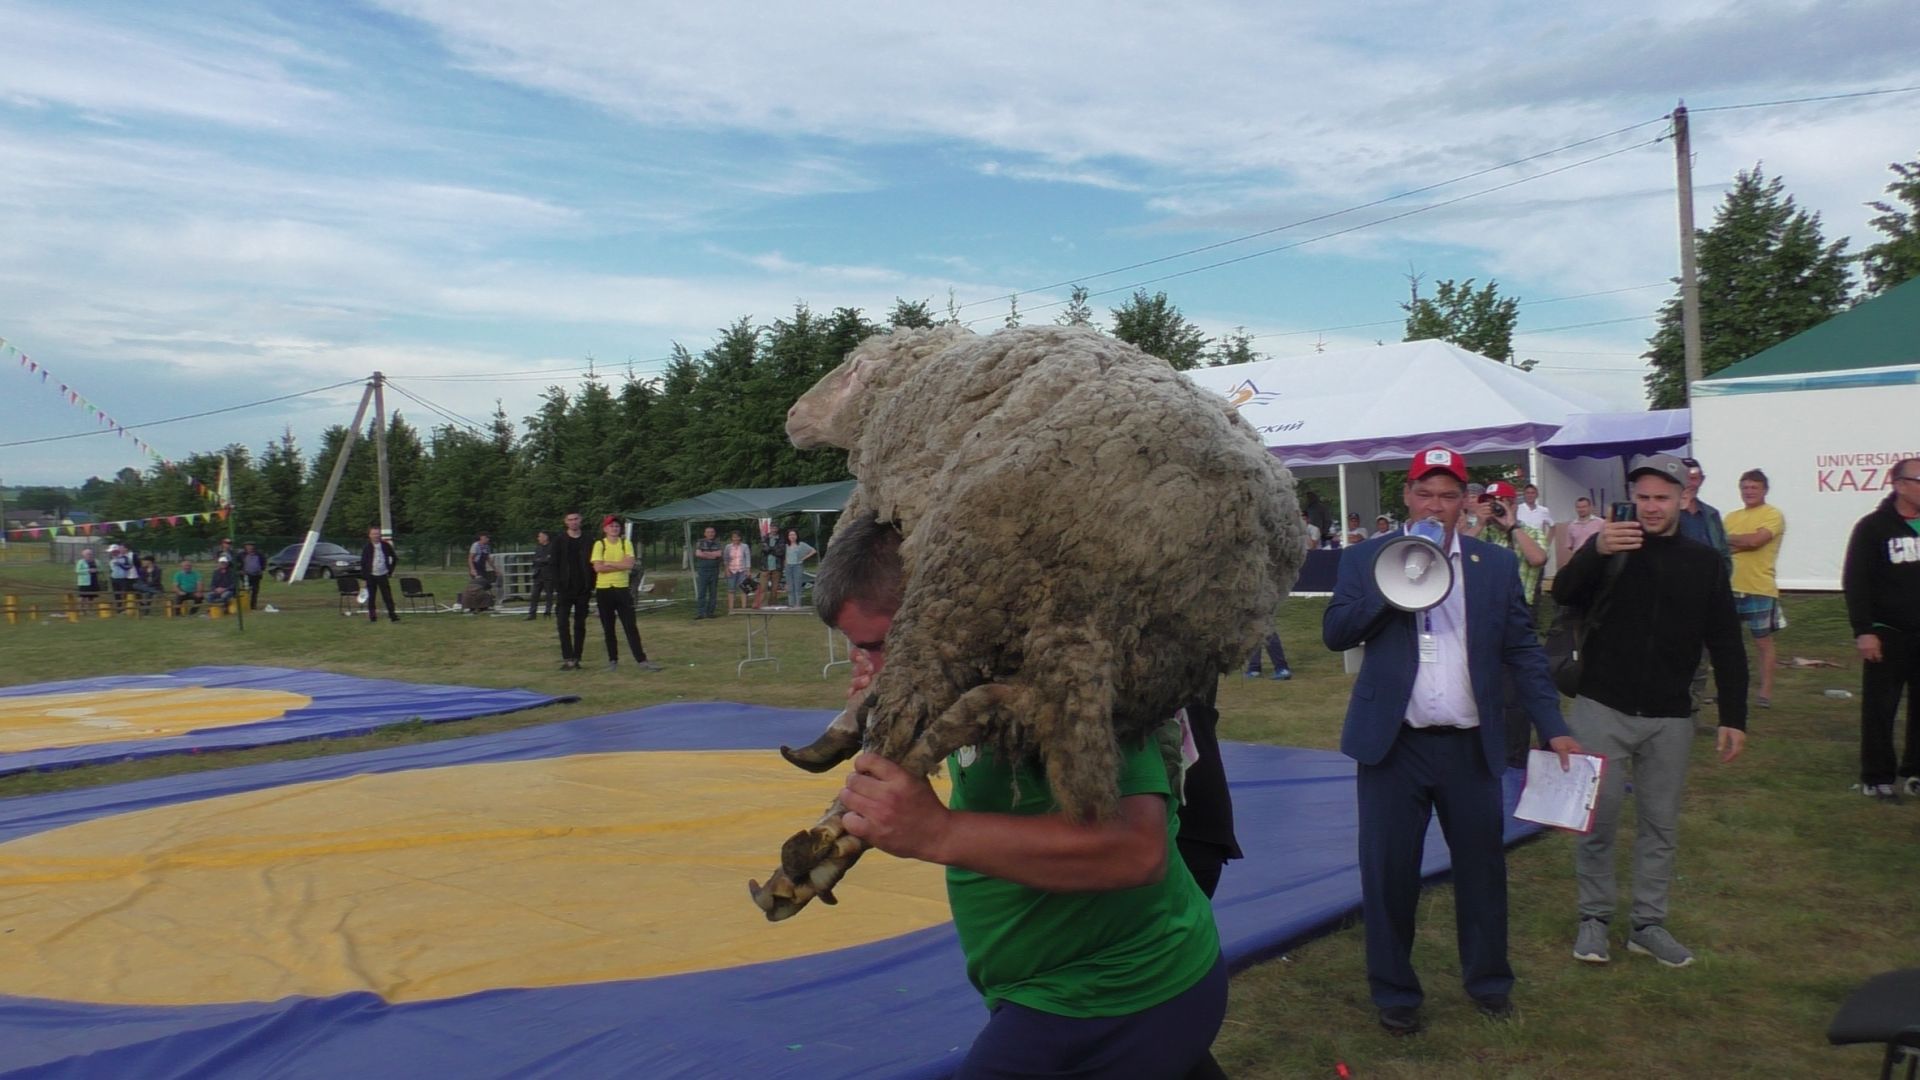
(1077, 954)
(186, 581)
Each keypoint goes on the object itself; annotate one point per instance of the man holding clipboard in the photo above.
(1426, 725)
(1646, 625)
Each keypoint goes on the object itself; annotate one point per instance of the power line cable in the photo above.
(1805, 100)
(1402, 319)
(1316, 218)
(447, 414)
(1412, 191)
(1354, 228)
(189, 416)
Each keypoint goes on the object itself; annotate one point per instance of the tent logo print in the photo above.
(1245, 393)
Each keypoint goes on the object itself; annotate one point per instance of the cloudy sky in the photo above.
(207, 205)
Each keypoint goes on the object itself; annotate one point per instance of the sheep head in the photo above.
(834, 411)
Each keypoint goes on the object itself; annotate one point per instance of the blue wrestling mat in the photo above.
(119, 718)
(437, 910)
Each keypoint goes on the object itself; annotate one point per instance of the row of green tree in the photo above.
(716, 419)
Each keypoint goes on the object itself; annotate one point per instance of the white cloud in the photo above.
(153, 71)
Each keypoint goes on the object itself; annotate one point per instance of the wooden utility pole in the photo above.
(299, 571)
(1689, 282)
(380, 452)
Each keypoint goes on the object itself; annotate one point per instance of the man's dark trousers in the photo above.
(1432, 770)
(706, 587)
(1880, 686)
(571, 614)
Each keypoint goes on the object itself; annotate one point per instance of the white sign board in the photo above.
(1826, 453)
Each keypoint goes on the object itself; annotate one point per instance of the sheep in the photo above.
(1090, 540)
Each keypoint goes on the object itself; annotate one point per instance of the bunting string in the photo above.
(107, 528)
(73, 397)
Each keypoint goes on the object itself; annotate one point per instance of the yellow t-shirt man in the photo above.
(1753, 570)
(612, 551)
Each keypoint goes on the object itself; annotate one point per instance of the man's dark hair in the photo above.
(1757, 476)
(862, 563)
(1906, 466)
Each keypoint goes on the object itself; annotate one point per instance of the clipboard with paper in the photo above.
(1564, 800)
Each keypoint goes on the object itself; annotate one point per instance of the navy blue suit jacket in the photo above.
(1500, 638)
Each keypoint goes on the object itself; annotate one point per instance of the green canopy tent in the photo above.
(1823, 414)
(735, 504)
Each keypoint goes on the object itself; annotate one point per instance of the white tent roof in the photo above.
(1391, 401)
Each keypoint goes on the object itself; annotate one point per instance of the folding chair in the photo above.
(413, 591)
(1885, 1009)
(349, 587)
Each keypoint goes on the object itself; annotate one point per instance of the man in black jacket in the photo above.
(377, 562)
(1647, 622)
(1881, 580)
(573, 586)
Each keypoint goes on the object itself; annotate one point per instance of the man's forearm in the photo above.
(1053, 854)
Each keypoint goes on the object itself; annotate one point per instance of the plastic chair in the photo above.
(1885, 1009)
(349, 587)
(412, 590)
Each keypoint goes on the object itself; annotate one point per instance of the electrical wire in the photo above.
(1402, 320)
(1318, 217)
(189, 416)
(1804, 100)
(447, 414)
(1355, 228)
(1410, 192)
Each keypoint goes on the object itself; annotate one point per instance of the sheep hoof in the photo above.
(805, 851)
(811, 864)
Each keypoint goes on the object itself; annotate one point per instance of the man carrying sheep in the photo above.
(1141, 997)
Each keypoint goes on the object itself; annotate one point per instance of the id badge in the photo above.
(1429, 648)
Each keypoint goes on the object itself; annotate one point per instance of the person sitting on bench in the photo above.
(186, 589)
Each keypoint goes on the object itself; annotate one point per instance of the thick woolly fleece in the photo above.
(1090, 540)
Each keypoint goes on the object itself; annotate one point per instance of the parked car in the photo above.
(329, 560)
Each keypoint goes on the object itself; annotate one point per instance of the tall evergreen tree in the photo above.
(1155, 326)
(1479, 321)
(1896, 258)
(1765, 274)
(279, 510)
(1234, 348)
(1077, 312)
(911, 314)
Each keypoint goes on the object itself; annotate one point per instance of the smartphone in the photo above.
(1623, 511)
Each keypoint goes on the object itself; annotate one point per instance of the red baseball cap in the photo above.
(1437, 459)
(610, 519)
(1499, 489)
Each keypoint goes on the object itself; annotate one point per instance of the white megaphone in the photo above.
(1412, 570)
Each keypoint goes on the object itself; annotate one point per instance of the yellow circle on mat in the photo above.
(85, 717)
(433, 883)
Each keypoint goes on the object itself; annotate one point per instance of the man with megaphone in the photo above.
(1445, 624)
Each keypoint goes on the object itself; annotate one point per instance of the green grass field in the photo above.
(1791, 888)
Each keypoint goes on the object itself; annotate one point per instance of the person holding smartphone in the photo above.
(1654, 599)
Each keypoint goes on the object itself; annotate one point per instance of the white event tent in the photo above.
(1356, 412)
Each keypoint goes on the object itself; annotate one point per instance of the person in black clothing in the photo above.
(1881, 580)
(253, 566)
(542, 575)
(377, 562)
(1653, 599)
(573, 585)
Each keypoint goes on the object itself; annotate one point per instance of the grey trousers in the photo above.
(1655, 748)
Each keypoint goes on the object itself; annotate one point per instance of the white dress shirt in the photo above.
(1443, 689)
